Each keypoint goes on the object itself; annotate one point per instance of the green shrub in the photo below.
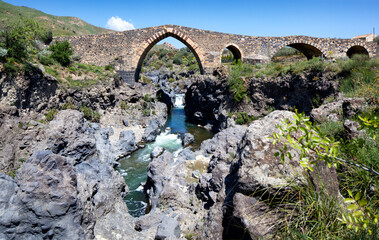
(15, 43)
(61, 52)
(123, 105)
(109, 67)
(51, 114)
(46, 36)
(178, 60)
(163, 53)
(45, 60)
(244, 118)
(237, 86)
(90, 114)
(147, 98)
(287, 51)
(194, 67)
(69, 105)
(10, 68)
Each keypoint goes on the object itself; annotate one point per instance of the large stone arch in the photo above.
(235, 49)
(356, 49)
(309, 50)
(168, 32)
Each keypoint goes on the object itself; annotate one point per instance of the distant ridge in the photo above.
(60, 26)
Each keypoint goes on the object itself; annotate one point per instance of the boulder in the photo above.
(67, 135)
(42, 201)
(186, 154)
(351, 128)
(152, 130)
(187, 139)
(127, 142)
(168, 228)
(259, 169)
(157, 151)
(256, 217)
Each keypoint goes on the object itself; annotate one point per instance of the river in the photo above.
(134, 167)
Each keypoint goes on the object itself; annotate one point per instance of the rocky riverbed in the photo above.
(59, 180)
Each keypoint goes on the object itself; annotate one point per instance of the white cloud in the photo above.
(118, 24)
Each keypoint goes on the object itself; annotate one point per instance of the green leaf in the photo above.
(363, 202)
(350, 193)
(358, 213)
(349, 200)
(358, 196)
(276, 154)
(352, 207)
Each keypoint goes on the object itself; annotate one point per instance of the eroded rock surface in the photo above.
(42, 202)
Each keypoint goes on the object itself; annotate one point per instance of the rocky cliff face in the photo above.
(208, 101)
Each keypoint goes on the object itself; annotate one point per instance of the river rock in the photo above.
(152, 130)
(186, 154)
(157, 151)
(101, 191)
(127, 142)
(187, 139)
(168, 228)
(42, 201)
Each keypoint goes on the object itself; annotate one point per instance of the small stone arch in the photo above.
(167, 32)
(356, 49)
(237, 53)
(309, 50)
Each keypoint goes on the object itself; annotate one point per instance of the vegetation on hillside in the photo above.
(59, 26)
(358, 77)
(22, 49)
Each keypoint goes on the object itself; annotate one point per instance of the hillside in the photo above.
(60, 26)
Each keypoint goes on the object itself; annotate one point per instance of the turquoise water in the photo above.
(134, 167)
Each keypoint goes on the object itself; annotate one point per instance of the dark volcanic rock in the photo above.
(41, 203)
(205, 101)
(209, 101)
(187, 139)
(67, 135)
(152, 130)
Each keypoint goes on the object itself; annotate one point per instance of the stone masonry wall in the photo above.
(127, 49)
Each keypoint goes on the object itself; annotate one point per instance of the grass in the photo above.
(311, 214)
(60, 26)
(90, 114)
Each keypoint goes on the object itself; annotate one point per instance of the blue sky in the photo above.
(318, 18)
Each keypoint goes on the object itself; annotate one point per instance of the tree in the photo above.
(61, 52)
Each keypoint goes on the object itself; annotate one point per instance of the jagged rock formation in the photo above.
(238, 175)
(208, 102)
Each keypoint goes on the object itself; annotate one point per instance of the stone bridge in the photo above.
(128, 49)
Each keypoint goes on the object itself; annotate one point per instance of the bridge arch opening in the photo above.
(354, 50)
(288, 54)
(308, 50)
(230, 54)
(187, 48)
